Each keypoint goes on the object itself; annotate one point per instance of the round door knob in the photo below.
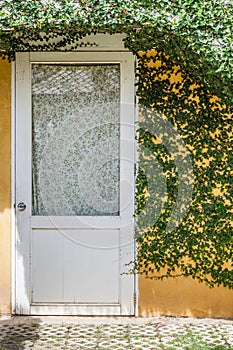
(21, 206)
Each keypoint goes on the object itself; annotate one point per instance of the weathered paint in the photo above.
(5, 187)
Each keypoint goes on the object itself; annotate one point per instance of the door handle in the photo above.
(21, 206)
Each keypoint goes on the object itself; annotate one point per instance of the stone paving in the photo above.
(71, 333)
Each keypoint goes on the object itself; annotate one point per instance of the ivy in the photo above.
(200, 245)
(197, 35)
(185, 84)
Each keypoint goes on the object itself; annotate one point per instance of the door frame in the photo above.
(116, 49)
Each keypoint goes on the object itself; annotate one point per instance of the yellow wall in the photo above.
(183, 297)
(5, 188)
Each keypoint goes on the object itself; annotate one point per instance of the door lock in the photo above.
(21, 206)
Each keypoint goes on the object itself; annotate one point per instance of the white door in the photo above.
(74, 183)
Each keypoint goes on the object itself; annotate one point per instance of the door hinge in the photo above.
(134, 300)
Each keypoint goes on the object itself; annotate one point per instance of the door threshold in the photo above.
(76, 309)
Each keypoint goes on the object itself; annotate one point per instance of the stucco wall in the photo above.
(5, 188)
(183, 297)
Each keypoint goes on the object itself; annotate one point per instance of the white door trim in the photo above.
(13, 183)
(23, 61)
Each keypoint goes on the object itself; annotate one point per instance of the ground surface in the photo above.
(70, 333)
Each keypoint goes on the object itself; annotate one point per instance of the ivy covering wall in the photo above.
(197, 34)
(185, 89)
(199, 241)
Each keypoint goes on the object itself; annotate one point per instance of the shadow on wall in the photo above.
(200, 246)
(191, 147)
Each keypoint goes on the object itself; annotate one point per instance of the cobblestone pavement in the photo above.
(70, 333)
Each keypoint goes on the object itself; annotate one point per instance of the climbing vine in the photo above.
(185, 84)
(199, 245)
(197, 34)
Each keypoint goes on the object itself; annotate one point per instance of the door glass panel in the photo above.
(75, 139)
